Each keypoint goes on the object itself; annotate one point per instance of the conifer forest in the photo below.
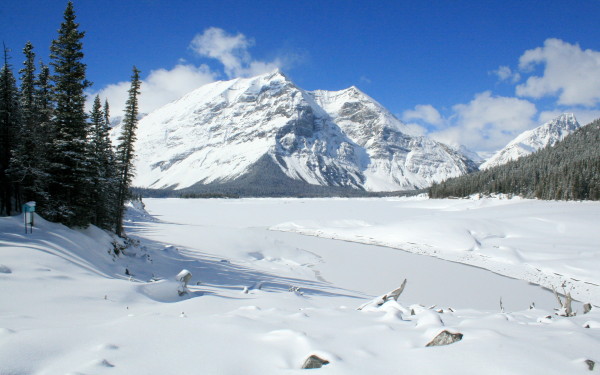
(52, 151)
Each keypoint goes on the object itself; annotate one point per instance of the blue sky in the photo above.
(475, 73)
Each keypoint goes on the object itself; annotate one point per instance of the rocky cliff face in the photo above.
(530, 141)
(219, 132)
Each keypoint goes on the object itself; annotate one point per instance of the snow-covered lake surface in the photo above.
(277, 280)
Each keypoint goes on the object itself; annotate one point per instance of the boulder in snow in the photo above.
(314, 361)
(445, 338)
(591, 364)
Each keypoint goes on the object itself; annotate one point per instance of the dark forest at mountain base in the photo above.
(569, 170)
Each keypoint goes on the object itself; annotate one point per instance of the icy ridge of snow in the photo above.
(524, 239)
(344, 138)
(547, 134)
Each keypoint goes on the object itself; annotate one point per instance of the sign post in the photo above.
(28, 211)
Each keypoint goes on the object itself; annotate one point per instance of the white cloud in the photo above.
(160, 87)
(232, 51)
(424, 112)
(415, 129)
(487, 122)
(570, 73)
(505, 73)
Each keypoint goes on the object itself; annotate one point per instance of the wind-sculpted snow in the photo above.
(552, 244)
(530, 141)
(262, 302)
(216, 133)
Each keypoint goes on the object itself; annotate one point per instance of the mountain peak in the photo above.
(275, 74)
(547, 134)
(566, 120)
(266, 126)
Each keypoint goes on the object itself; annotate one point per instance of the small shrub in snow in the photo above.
(118, 247)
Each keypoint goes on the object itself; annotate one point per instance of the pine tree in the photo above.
(9, 123)
(125, 149)
(103, 168)
(106, 111)
(45, 107)
(28, 162)
(70, 184)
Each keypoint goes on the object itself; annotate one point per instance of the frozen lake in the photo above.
(238, 230)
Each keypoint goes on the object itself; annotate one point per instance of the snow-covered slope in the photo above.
(217, 133)
(530, 141)
(261, 302)
(396, 160)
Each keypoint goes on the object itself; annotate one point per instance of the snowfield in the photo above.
(264, 296)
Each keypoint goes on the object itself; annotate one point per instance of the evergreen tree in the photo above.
(9, 123)
(70, 180)
(45, 107)
(106, 111)
(103, 168)
(125, 149)
(28, 162)
(569, 170)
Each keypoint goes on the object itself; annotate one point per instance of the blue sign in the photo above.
(28, 210)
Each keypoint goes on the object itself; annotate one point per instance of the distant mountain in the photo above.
(268, 131)
(568, 170)
(530, 141)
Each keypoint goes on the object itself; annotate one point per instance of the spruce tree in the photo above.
(9, 123)
(106, 111)
(103, 168)
(70, 183)
(45, 107)
(125, 149)
(28, 162)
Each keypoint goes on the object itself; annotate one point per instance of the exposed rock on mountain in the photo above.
(223, 131)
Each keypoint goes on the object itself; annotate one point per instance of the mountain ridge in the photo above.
(547, 134)
(214, 134)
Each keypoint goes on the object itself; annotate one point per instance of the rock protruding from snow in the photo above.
(314, 361)
(225, 131)
(590, 364)
(530, 141)
(445, 338)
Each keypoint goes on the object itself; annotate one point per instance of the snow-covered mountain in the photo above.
(266, 125)
(530, 141)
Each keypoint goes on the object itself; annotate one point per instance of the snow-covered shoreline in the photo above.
(490, 246)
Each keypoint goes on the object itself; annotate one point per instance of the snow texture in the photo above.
(262, 301)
